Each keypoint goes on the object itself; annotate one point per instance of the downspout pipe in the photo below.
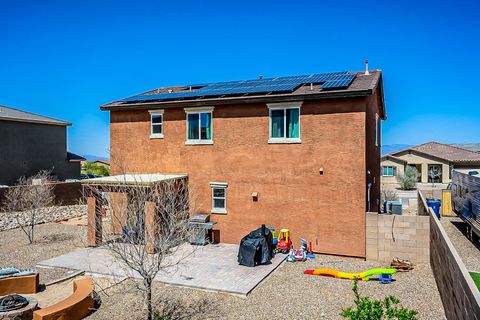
(368, 196)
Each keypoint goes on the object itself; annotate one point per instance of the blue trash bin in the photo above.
(435, 205)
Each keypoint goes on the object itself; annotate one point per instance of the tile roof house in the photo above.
(433, 160)
(297, 152)
(32, 142)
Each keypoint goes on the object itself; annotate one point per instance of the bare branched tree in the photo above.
(27, 199)
(149, 227)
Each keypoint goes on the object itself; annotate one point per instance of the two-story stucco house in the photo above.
(299, 152)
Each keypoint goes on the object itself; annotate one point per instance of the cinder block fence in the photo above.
(405, 237)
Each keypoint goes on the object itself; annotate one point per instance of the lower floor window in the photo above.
(389, 171)
(219, 197)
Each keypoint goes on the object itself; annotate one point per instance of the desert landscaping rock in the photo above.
(51, 240)
(287, 293)
(8, 220)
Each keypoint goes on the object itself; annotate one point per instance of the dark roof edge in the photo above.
(232, 100)
(53, 122)
(379, 84)
(389, 156)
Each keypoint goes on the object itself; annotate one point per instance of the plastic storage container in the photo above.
(396, 207)
(435, 205)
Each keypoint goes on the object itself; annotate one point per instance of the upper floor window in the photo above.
(284, 122)
(156, 123)
(389, 171)
(199, 125)
(377, 130)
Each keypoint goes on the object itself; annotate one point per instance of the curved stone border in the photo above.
(21, 285)
(75, 307)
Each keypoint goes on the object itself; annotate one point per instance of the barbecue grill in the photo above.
(202, 227)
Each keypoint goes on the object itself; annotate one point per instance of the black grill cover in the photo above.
(256, 248)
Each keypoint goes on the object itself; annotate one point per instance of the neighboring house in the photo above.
(103, 163)
(30, 143)
(295, 152)
(434, 161)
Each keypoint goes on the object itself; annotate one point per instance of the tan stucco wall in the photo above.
(292, 192)
(389, 163)
(424, 161)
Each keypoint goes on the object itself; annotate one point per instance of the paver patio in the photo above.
(212, 267)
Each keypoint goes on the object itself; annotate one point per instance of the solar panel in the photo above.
(258, 86)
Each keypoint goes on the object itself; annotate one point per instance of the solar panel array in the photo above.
(334, 80)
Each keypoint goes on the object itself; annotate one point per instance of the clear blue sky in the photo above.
(64, 59)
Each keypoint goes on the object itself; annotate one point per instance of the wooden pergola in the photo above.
(119, 187)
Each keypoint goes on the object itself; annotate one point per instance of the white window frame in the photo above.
(388, 175)
(284, 106)
(219, 185)
(377, 133)
(198, 110)
(155, 113)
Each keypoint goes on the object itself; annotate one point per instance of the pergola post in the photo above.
(94, 234)
(151, 227)
(118, 216)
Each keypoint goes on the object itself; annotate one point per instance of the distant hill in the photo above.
(469, 146)
(91, 157)
(389, 148)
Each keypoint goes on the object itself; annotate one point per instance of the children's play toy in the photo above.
(284, 243)
(385, 278)
(300, 255)
(291, 256)
(274, 236)
(365, 276)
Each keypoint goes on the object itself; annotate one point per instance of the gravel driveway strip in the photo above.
(456, 231)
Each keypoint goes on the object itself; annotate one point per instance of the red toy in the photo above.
(284, 243)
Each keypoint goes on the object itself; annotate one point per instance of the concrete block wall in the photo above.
(460, 296)
(405, 237)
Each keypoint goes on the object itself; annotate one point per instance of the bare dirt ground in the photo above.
(286, 293)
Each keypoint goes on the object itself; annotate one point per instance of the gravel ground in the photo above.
(456, 230)
(287, 294)
(51, 240)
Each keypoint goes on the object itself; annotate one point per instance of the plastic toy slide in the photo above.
(352, 276)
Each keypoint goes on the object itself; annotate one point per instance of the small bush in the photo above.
(389, 195)
(408, 181)
(367, 309)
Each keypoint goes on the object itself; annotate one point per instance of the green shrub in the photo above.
(386, 309)
(408, 181)
(92, 167)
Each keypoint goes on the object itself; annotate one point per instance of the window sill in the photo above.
(156, 136)
(218, 211)
(197, 142)
(284, 140)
